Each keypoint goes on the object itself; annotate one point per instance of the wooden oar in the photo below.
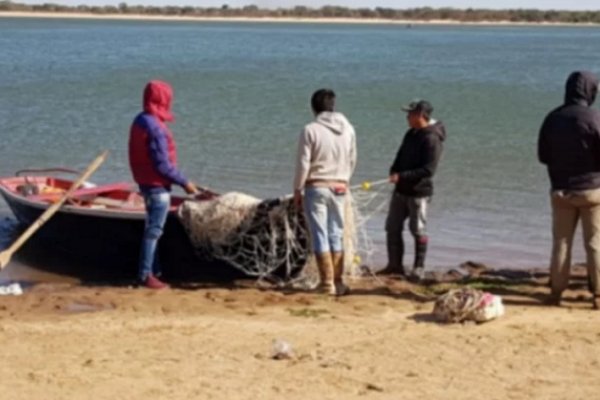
(6, 255)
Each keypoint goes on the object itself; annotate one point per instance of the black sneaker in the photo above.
(553, 299)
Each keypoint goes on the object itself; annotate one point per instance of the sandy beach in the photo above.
(62, 341)
(65, 340)
(368, 21)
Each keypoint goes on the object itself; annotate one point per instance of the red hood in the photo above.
(157, 100)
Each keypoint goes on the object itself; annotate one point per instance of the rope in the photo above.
(367, 185)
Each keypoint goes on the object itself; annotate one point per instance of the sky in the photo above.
(399, 4)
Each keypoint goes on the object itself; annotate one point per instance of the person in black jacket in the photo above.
(569, 145)
(412, 173)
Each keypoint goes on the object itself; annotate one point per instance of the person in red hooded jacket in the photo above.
(153, 162)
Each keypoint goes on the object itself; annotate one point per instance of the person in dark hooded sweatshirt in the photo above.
(569, 145)
(153, 162)
(412, 172)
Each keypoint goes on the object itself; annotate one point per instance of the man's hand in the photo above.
(394, 178)
(298, 199)
(190, 188)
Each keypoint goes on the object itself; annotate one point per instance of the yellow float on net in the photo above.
(356, 260)
(366, 185)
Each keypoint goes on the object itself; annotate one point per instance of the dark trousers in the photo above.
(415, 210)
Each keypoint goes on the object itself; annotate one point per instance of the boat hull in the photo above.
(100, 246)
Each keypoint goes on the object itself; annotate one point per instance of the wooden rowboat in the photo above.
(101, 226)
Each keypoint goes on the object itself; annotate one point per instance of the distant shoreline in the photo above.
(365, 21)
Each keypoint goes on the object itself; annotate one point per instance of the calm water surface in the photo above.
(70, 88)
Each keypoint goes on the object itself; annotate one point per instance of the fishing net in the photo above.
(365, 203)
(269, 238)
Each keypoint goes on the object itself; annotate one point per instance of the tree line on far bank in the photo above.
(413, 14)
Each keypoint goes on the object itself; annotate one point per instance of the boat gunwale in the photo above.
(115, 213)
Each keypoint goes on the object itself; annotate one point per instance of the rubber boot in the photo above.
(325, 266)
(395, 251)
(418, 272)
(338, 273)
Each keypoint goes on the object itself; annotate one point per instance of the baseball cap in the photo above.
(419, 105)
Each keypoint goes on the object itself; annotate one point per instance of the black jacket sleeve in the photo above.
(543, 145)
(394, 169)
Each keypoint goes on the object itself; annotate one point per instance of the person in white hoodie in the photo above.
(325, 162)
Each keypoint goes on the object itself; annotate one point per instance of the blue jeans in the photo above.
(157, 209)
(324, 211)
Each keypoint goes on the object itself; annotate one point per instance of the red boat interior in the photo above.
(117, 196)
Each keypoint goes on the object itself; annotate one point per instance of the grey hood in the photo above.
(581, 88)
(335, 121)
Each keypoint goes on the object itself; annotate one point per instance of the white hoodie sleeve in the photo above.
(353, 152)
(302, 160)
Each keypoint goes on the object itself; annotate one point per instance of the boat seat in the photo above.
(96, 190)
(86, 192)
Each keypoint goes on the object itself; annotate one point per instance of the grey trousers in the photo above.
(567, 209)
(415, 210)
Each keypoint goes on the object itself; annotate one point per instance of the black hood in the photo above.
(581, 88)
(437, 128)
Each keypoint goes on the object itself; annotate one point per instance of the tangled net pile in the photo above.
(269, 238)
(457, 305)
(467, 304)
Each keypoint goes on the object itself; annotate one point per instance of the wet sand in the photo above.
(64, 341)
